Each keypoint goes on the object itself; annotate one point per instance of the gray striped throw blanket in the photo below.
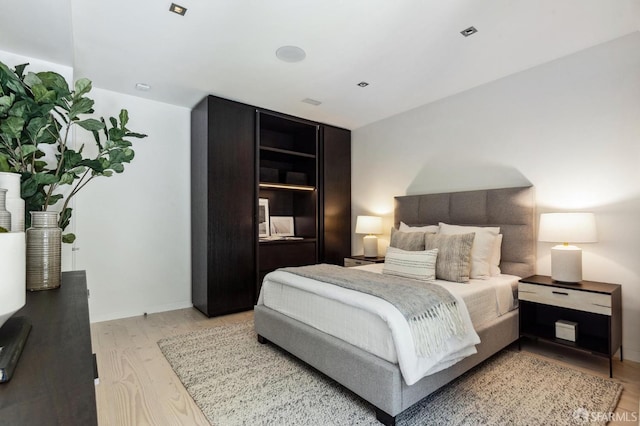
(430, 310)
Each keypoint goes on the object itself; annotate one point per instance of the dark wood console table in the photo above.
(53, 383)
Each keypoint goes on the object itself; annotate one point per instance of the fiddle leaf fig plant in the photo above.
(38, 114)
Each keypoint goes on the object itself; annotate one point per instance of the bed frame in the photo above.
(378, 381)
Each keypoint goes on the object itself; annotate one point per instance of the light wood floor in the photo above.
(138, 387)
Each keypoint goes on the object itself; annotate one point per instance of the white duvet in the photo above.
(299, 298)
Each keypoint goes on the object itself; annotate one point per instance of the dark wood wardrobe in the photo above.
(241, 154)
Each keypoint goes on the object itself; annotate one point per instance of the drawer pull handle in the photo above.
(560, 292)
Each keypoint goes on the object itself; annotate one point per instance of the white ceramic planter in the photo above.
(12, 274)
(15, 204)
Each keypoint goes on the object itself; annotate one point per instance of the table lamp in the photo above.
(565, 228)
(369, 225)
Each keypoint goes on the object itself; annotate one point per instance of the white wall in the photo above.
(133, 229)
(570, 127)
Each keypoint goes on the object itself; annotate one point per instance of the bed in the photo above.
(378, 380)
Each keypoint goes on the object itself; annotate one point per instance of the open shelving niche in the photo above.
(288, 176)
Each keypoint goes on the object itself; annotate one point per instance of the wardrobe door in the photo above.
(223, 206)
(336, 195)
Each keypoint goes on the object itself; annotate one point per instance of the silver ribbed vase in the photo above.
(44, 251)
(5, 216)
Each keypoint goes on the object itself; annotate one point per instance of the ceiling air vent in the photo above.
(311, 101)
(469, 31)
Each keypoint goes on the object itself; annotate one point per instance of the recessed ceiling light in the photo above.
(143, 87)
(363, 84)
(178, 9)
(290, 54)
(311, 101)
(468, 31)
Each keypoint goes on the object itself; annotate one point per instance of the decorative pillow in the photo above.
(483, 246)
(410, 241)
(428, 228)
(419, 265)
(454, 255)
(494, 267)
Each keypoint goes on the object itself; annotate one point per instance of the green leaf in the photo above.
(68, 238)
(19, 109)
(39, 165)
(128, 155)
(66, 178)
(31, 79)
(117, 167)
(42, 95)
(17, 87)
(65, 218)
(55, 82)
(116, 156)
(4, 164)
(80, 106)
(90, 124)
(71, 159)
(45, 178)
(82, 87)
(3, 230)
(124, 118)
(20, 69)
(55, 198)
(28, 188)
(6, 102)
(116, 134)
(26, 150)
(37, 128)
(12, 126)
(135, 135)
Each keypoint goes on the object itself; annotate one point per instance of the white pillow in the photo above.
(419, 265)
(483, 246)
(494, 266)
(428, 228)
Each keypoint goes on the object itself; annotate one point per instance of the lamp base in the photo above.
(566, 264)
(370, 243)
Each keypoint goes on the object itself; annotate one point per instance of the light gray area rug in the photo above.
(237, 381)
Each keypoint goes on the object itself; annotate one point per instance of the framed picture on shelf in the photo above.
(282, 226)
(263, 217)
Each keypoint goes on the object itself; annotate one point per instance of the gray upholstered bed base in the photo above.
(374, 379)
(379, 381)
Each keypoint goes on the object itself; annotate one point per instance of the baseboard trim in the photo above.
(141, 311)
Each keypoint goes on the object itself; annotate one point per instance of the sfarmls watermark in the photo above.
(584, 416)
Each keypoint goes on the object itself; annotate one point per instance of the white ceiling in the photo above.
(410, 52)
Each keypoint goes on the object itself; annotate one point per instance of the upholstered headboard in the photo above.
(512, 209)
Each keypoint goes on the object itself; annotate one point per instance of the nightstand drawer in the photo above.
(350, 262)
(573, 299)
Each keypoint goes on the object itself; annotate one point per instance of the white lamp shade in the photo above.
(369, 225)
(568, 228)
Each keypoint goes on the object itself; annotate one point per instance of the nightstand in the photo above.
(595, 307)
(361, 260)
